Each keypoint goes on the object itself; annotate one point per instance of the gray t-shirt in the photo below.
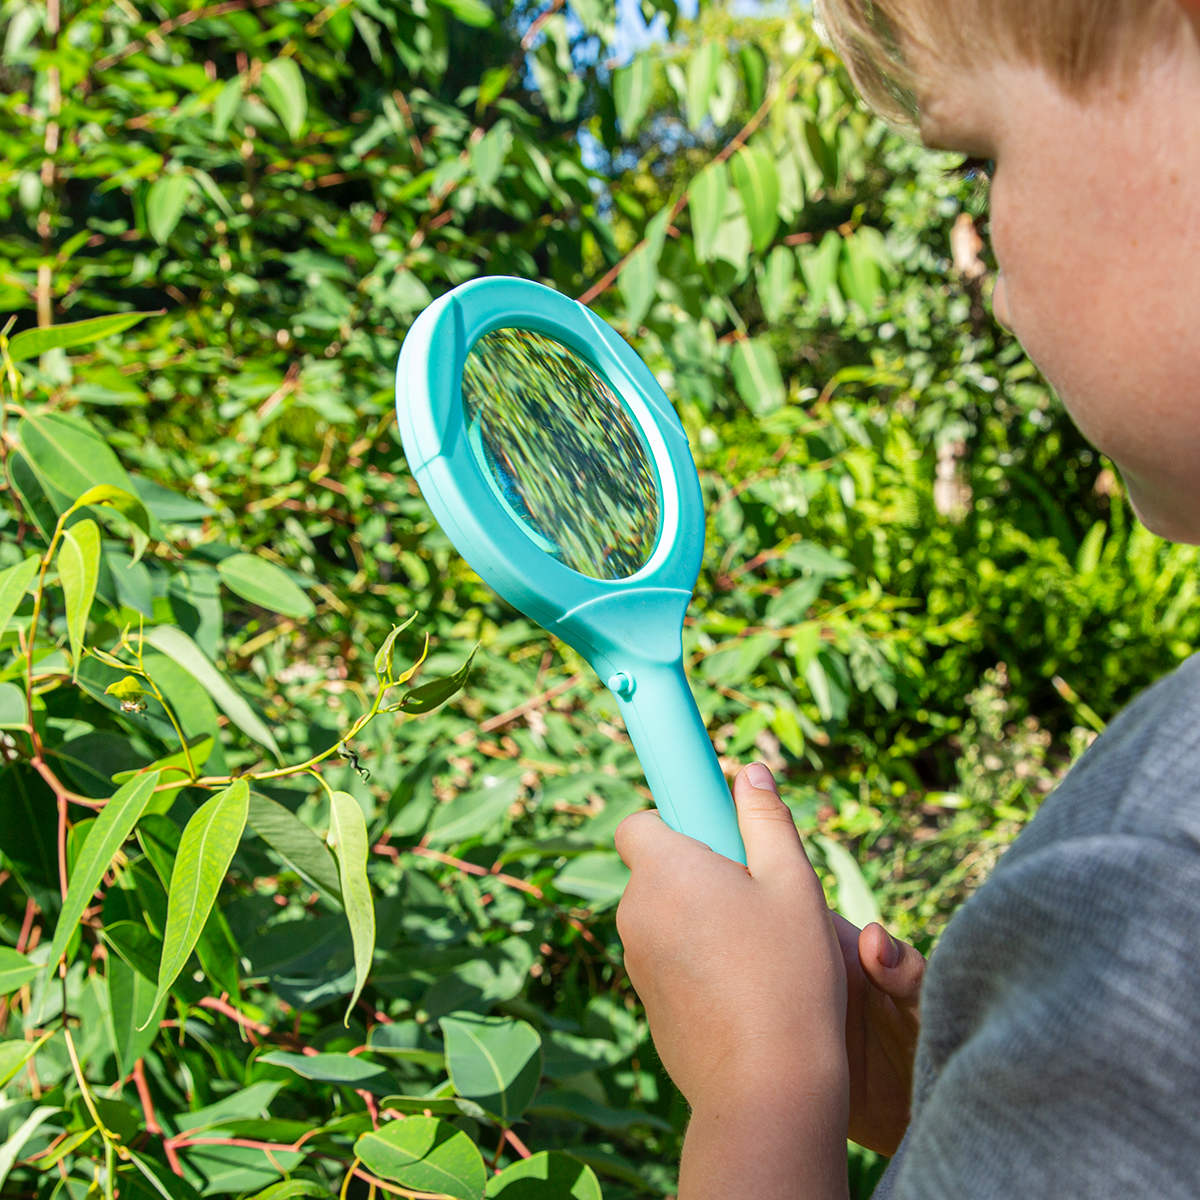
(1059, 1054)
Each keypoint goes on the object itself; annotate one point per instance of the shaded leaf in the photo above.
(496, 1061)
(105, 495)
(298, 846)
(15, 970)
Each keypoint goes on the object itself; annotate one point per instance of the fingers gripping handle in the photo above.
(681, 766)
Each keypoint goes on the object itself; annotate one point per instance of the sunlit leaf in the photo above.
(283, 88)
(30, 343)
(14, 583)
(15, 970)
(424, 1154)
(78, 570)
(165, 203)
(205, 852)
(105, 495)
(547, 1175)
(348, 839)
(264, 584)
(633, 85)
(757, 183)
(176, 645)
(113, 825)
(706, 199)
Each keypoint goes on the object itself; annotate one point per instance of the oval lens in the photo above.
(561, 452)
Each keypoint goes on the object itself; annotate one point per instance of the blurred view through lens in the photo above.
(563, 452)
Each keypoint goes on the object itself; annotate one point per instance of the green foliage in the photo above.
(276, 919)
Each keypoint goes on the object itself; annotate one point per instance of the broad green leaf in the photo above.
(756, 374)
(31, 343)
(345, 1070)
(14, 583)
(633, 85)
(424, 1154)
(599, 876)
(776, 282)
(429, 695)
(638, 280)
(69, 455)
(225, 105)
(547, 1175)
(298, 846)
(757, 183)
(13, 714)
(476, 811)
(78, 570)
(16, 1053)
(701, 77)
(176, 645)
(165, 203)
(283, 89)
(114, 824)
(855, 900)
(754, 74)
(293, 1189)
(264, 584)
(495, 1061)
(348, 840)
(15, 970)
(470, 12)
(859, 275)
(104, 495)
(706, 199)
(205, 852)
(15, 1141)
(383, 656)
(133, 1017)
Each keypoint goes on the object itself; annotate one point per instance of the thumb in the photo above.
(893, 966)
(768, 830)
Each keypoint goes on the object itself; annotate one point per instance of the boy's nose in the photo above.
(1000, 303)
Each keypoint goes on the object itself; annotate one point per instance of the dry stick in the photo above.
(786, 86)
(536, 702)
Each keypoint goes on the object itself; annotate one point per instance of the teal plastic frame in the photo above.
(630, 629)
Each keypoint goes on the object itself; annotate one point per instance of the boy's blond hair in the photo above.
(1079, 42)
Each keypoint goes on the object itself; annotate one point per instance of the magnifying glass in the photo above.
(556, 465)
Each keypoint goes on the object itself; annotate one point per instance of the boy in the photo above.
(1059, 1045)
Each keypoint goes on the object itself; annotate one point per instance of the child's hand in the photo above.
(739, 969)
(883, 979)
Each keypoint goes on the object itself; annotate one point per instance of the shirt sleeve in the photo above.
(1060, 1048)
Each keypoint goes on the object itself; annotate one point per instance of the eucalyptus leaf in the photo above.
(264, 584)
(283, 88)
(30, 343)
(78, 569)
(205, 851)
(112, 826)
(424, 1154)
(348, 839)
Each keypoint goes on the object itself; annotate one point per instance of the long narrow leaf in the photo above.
(205, 852)
(14, 583)
(78, 570)
(114, 824)
(348, 838)
(176, 644)
(32, 342)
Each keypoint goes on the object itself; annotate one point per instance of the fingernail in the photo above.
(891, 950)
(760, 777)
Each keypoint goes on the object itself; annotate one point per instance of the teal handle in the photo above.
(681, 766)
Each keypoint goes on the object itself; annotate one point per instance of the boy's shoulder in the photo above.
(1140, 777)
